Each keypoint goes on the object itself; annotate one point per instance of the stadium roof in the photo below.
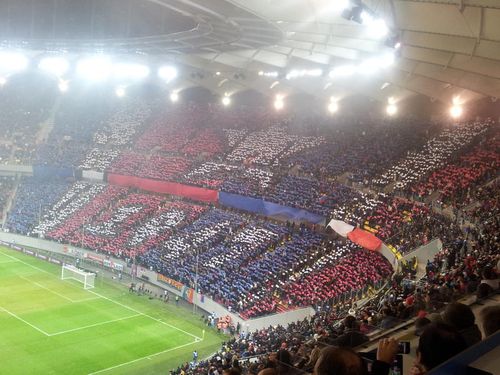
(449, 48)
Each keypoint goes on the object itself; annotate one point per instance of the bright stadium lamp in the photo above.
(456, 111)
(279, 104)
(63, 85)
(11, 62)
(226, 100)
(3, 81)
(167, 73)
(96, 68)
(57, 66)
(174, 97)
(333, 106)
(120, 91)
(377, 27)
(391, 109)
(130, 71)
(343, 71)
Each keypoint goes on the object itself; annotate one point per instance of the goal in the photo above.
(71, 272)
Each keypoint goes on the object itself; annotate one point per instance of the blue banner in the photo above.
(259, 206)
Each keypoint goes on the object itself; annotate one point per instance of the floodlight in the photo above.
(56, 66)
(63, 85)
(3, 81)
(167, 73)
(130, 71)
(377, 27)
(278, 103)
(391, 109)
(226, 100)
(343, 71)
(391, 100)
(333, 106)
(120, 91)
(456, 101)
(174, 97)
(456, 111)
(11, 62)
(96, 68)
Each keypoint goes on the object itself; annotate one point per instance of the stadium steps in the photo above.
(10, 201)
(47, 125)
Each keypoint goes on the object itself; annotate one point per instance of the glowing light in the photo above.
(279, 104)
(456, 101)
(343, 71)
(226, 100)
(63, 85)
(167, 73)
(96, 68)
(333, 106)
(261, 73)
(57, 66)
(174, 97)
(376, 26)
(303, 73)
(217, 73)
(11, 62)
(456, 111)
(391, 109)
(130, 71)
(3, 81)
(120, 91)
(391, 100)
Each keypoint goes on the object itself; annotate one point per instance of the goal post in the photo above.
(71, 272)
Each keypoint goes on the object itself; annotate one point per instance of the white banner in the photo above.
(341, 227)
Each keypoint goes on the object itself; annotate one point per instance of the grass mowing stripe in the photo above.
(94, 325)
(58, 294)
(24, 321)
(118, 303)
(22, 261)
(149, 316)
(141, 358)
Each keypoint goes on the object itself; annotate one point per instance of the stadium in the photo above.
(260, 187)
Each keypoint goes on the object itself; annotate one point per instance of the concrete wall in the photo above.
(13, 170)
(423, 253)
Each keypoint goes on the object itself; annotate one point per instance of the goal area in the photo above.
(71, 272)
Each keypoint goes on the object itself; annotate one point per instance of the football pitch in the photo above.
(54, 326)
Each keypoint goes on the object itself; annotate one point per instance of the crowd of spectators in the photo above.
(25, 102)
(433, 155)
(455, 179)
(468, 262)
(7, 186)
(33, 199)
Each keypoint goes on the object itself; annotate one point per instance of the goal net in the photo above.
(71, 272)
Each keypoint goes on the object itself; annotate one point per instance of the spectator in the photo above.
(339, 361)
(461, 317)
(438, 343)
(490, 318)
(352, 337)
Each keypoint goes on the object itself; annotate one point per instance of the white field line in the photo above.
(109, 299)
(24, 321)
(149, 316)
(22, 261)
(59, 294)
(94, 325)
(141, 358)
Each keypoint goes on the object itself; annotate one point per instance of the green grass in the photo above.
(51, 326)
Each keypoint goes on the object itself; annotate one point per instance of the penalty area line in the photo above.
(141, 358)
(24, 321)
(94, 325)
(149, 316)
